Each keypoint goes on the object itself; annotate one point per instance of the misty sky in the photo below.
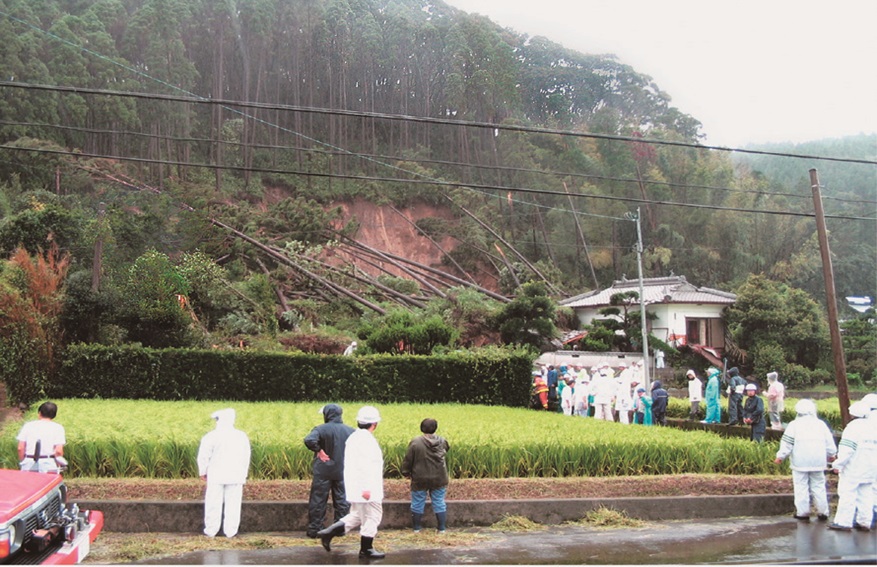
(750, 71)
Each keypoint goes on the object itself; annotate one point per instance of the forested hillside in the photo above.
(232, 141)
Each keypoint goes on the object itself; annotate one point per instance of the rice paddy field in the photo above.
(148, 439)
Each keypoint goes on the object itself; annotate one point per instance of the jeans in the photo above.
(436, 496)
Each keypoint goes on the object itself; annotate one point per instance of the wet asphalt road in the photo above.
(727, 541)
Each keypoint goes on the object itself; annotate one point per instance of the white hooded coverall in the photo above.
(224, 458)
(857, 464)
(809, 442)
(363, 472)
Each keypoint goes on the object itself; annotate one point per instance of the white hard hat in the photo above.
(750, 386)
(368, 414)
(860, 409)
(871, 400)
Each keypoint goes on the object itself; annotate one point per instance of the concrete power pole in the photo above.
(837, 349)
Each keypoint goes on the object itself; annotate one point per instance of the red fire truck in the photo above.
(38, 526)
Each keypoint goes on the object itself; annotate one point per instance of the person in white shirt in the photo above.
(364, 482)
(856, 464)
(41, 442)
(623, 399)
(604, 392)
(695, 394)
(223, 463)
(567, 397)
(810, 445)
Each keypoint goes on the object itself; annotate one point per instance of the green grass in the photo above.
(137, 438)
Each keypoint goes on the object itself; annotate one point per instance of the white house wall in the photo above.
(671, 317)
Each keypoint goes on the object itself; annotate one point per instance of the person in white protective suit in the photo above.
(857, 465)
(223, 462)
(810, 445)
(623, 399)
(604, 389)
(364, 482)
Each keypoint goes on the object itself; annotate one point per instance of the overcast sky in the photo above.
(749, 70)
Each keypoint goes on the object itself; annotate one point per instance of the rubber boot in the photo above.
(415, 521)
(441, 521)
(326, 535)
(366, 551)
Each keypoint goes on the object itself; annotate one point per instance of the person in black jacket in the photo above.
(425, 465)
(660, 397)
(736, 383)
(327, 442)
(753, 413)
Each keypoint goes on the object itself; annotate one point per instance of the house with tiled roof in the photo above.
(685, 314)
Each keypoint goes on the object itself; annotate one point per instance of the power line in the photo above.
(418, 119)
(440, 183)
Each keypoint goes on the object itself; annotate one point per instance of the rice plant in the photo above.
(137, 438)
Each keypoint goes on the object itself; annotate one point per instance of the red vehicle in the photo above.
(37, 526)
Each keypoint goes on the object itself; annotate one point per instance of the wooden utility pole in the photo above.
(837, 349)
(97, 264)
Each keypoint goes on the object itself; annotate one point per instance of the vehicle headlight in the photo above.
(10, 539)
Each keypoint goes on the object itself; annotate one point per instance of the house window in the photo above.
(693, 331)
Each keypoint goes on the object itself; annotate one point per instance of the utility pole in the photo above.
(837, 349)
(97, 264)
(642, 299)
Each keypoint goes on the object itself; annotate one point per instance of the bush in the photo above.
(489, 376)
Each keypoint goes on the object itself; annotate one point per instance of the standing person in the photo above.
(712, 396)
(753, 413)
(327, 442)
(736, 384)
(809, 442)
(364, 481)
(623, 402)
(424, 464)
(659, 358)
(642, 405)
(41, 442)
(776, 394)
(857, 465)
(604, 390)
(660, 398)
(223, 463)
(580, 395)
(695, 393)
(539, 390)
(551, 380)
(567, 396)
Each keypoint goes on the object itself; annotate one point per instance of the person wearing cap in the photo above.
(642, 407)
(753, 413)
(856, 464)
(712, 396)
(223, 463)
(425, 465)
(776, 394)
(41, 442)
(736, 385)
(604, 390)
(364, 482)
(567, 395)
(809, 444)
(695, 393)
(327, 443)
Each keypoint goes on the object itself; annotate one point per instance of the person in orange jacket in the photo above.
(540, 392)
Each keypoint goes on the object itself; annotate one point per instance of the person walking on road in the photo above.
(857, 465)
(364, 482)
(327, 442)
(223, 463)
(809, 444)
(425, 465)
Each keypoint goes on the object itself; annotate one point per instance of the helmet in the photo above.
(368, 414)
(871, 400)
(750, 386)
(805, 407)
(859, 409)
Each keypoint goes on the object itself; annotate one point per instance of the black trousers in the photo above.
(320, 490)
(735, 408)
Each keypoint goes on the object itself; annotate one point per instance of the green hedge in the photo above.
(489, 377)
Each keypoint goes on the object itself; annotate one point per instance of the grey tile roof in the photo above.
(672, 289)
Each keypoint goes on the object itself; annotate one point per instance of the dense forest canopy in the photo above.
(213, 128)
